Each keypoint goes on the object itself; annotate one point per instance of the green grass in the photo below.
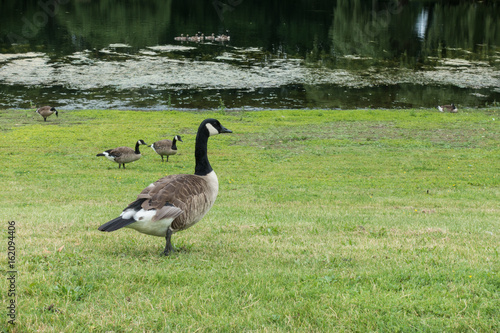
(365, 220)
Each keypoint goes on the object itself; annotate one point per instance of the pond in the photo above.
(77, 54)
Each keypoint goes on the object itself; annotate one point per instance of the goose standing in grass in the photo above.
(47, 111)
(122, 155)
(176, 202)
(447, 108)
(166, 147)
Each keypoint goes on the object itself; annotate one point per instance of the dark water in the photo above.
(281, 54)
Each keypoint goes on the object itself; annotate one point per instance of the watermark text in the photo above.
(11, 272)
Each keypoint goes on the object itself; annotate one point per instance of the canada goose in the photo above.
(211, 37)
(166, 147)
(122, 155)
(176, 202)
(223, 37)
(447, 108)
(47, 111)
(181, 38)
(196, 38)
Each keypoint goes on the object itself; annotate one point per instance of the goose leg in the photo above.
(161, 158)
(168, 245)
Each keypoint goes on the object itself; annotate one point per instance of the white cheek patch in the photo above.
(211, 129)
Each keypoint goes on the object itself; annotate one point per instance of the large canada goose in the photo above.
(166, 147)
(176, 202)
(47, 111)
(447, 108)
(122, 155)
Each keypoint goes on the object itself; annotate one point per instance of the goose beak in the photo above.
(225, 130)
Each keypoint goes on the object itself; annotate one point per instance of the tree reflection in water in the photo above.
(294, 54)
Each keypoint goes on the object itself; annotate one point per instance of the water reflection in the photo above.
(329, 54)
(421, 24)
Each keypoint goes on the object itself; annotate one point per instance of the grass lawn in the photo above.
(326, 220)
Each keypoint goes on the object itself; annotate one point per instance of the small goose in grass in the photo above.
(176, 202)
(166, 147)
(447, 108)
(122, 155)
(47, 111)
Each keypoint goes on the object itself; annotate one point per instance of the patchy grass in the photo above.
(366, 220)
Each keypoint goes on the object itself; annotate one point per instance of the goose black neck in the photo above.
(203, 166)
(174, 141)
(137, 148)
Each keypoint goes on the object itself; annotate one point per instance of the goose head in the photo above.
(178, 138)
(214, 127)
(138, 143)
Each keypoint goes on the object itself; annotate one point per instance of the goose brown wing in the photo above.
(44, 109)
(117, 152)
(163, 144)
(182, 191)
